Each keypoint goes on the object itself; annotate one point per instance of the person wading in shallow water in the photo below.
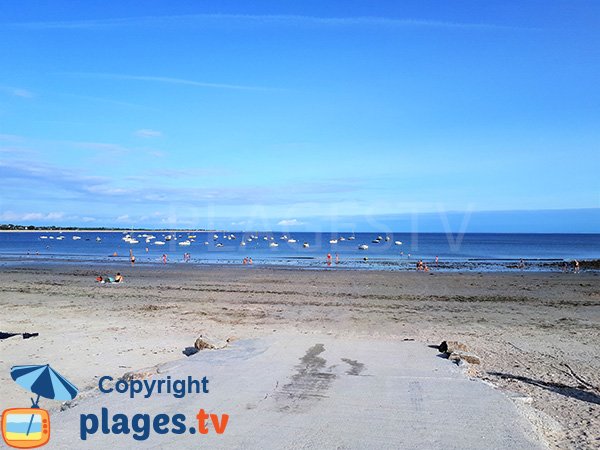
(131, 257)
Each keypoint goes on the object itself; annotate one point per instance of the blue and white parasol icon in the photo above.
(45, 382)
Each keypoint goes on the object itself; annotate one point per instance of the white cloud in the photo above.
(123, 218)
(148, 133)
(17, 92)
(22, 93)
(290, 222)
(16, 217)
(257, 19)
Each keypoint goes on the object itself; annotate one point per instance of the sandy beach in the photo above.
(536, 333)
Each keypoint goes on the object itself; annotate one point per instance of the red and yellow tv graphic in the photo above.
(25, 427)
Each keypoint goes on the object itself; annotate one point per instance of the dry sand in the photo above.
(524, 326)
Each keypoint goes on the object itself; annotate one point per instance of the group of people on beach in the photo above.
(337, 259)
(118, 278)
(422, 267)
(247, 260)
(575, 265)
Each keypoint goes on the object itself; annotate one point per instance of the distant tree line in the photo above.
(12, 227)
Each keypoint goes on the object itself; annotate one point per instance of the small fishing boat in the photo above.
(159, 243)
(398, 242)
(333, 241)
(76, 238)
(363, 247)
(185, 243)
(291, 241)
(273, 244)
(306, 245)
(219, 244)
(98, 238)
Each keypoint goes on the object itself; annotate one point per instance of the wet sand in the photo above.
(524, 326)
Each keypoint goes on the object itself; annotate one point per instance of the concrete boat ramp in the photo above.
(315, 391)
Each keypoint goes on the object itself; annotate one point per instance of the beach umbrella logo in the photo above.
(30, 427)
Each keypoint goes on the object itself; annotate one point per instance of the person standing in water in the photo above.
(131, 257)
(164, 258)
(337, 258)
(575, 266)
(328, 259)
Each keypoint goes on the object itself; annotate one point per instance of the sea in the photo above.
(391, 251)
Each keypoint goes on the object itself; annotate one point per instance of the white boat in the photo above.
(363, 247)
(333, 241)
(243, 243)
(291, 241)
(351, 238)
(205, 242)
(192, 236)
(219, 245)
(387, 239)
(133, 241)
(306, 245)
(376, 241)
(185, 243)
(60, 238)
(98, 238)
(398, 242)
(273, 244)
(168, 237)
(76, 238)
(51, 237)
(215, 237)
(159, 243)
(342, 239)
(43, 237)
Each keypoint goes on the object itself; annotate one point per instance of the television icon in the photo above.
(26, 427)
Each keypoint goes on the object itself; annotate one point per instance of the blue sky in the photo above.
(301, 115)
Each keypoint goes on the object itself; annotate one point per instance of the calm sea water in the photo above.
(398, 251)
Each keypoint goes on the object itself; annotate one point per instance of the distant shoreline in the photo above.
(109, 230)
(338, 232)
